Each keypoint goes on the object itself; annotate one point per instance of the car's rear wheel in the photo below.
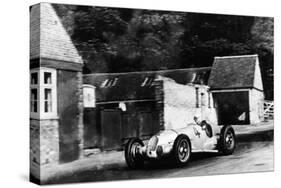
(227, 141)
(181, 150)
(133, 156)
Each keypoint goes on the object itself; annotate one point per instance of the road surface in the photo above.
(250, 156)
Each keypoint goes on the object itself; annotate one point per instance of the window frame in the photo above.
(34, 86)
(41, 86)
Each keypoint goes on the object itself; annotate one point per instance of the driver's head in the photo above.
(196, 120)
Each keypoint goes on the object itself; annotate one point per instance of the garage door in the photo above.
(232, 107)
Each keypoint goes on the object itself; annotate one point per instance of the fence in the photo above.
(268, 110)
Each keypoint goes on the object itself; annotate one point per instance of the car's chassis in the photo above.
(179, 149)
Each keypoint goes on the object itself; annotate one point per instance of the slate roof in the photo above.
(48, 38)
(232, 72)
(139, 85)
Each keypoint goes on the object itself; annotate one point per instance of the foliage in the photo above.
(122, 40)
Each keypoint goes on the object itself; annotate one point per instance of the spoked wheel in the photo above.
(132, 154)
(182, 149)
(227, 140)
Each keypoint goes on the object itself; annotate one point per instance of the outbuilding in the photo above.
(139, 104)
(56, 100)
(236, 85)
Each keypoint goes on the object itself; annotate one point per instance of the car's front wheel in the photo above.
(227, 141)
(181, 150)
(133, 157)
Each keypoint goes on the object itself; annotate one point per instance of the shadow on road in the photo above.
(169, 164)
(260, 136)
(246, 143)
(256, 137)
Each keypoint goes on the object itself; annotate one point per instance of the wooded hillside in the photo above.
(124, 40)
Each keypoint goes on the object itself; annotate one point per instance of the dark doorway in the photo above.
(232, 107)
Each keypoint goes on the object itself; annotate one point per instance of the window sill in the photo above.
(44, 117)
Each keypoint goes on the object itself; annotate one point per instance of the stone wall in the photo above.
(80, 113)
(180, 105)
(49, 142)
(44, 144)
(34, 148)
(159, 97)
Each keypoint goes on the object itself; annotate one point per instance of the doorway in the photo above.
(232, 107)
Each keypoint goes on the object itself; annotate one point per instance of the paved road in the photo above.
(252, 155)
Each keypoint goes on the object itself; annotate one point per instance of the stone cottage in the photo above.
(55, 92)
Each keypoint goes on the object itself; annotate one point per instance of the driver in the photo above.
(205, 126)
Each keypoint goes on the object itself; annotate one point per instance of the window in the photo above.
(43, 93)
(34, 93)
(203, 99)
(47, 100)
(34, 78)
(47, 78)
(34, 100)
(197, 97)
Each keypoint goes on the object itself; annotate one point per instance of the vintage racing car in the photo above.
(180, 143)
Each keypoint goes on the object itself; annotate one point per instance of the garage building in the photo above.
(237, 88)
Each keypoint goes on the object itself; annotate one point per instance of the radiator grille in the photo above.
(152, 143)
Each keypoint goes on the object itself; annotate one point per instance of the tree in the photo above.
(262, 42)
(124, 40)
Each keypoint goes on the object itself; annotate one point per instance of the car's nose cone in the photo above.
(152, 143)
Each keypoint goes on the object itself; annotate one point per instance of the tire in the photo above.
(181, 150)
(227, 141)
(133, 159)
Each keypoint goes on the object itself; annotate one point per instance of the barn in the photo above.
(236, 85)
(139, 104)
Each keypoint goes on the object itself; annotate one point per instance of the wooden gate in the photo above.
(111, 132)
(92, 128)
(146, 124)
(268, 110)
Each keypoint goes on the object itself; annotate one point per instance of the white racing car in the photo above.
(179, 144)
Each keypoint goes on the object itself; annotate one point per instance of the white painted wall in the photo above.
(257, 77)
(180, 105)
(256, 99)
